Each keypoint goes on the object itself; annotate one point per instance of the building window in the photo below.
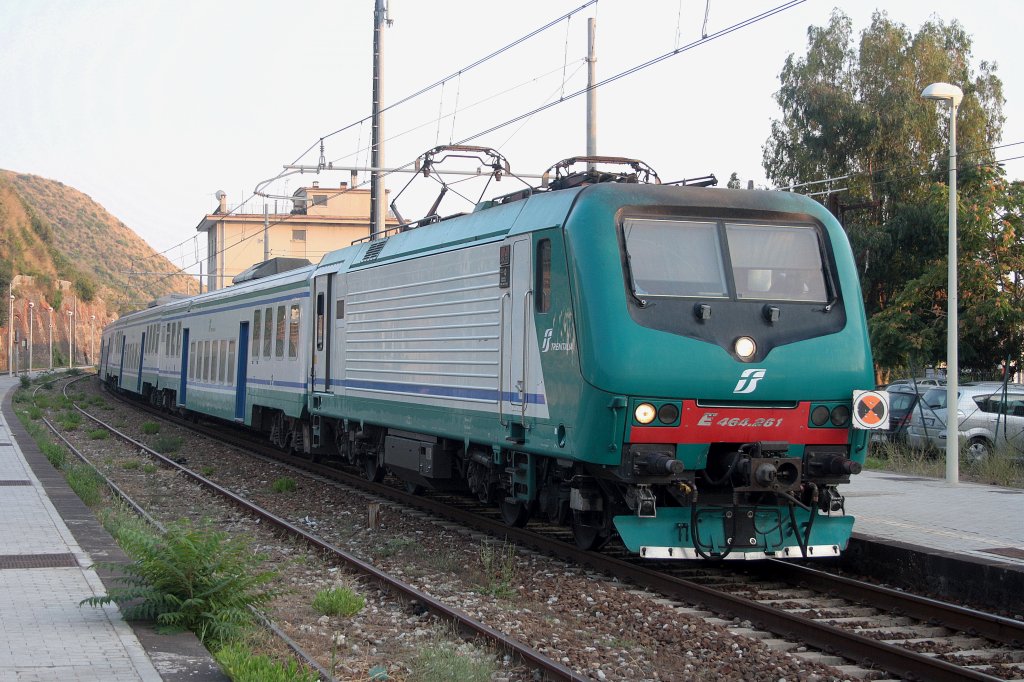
(298, 235)
(319, 199)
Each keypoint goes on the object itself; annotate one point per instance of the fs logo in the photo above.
(547, 341)
(748, 380)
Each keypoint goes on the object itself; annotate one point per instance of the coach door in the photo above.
(142, 357)
(516, 322)
(323, 333)
(183, 382)
(242, 372)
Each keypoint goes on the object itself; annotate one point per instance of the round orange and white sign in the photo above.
(870, 410)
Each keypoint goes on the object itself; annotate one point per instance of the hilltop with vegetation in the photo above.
(60, 249)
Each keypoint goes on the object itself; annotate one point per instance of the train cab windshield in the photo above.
(721, 259)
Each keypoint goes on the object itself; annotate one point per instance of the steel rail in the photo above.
(553, 669)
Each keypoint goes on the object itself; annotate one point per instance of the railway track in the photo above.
(864, 629)
(546, 667)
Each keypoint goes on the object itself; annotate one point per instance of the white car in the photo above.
(989, 415)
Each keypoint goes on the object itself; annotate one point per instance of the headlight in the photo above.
(644, 413)
(745, 347)
(820, 415)
(668, 413)
(840, 415)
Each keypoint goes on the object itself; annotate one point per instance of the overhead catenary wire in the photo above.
(635, 69)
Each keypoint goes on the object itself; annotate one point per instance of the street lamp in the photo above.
(31, 312)
(10, 337)
(950, 93)
(71, 313)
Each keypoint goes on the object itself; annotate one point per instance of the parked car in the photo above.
(989, 415)
(922, 384)
(902, 401)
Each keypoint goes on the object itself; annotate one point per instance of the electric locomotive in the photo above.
(672, 364)
(677, 366)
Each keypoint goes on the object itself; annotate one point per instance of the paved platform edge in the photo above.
(177, 657)
(991, 584)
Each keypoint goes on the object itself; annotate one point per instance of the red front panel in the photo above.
(740, 425)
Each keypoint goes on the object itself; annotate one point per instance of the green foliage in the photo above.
(285, 484)
(99, 434)
(130, 464)
(150, 428)
(56, 454)
(339, 601)
(498, 569)
(167, 445)
(35, 413)
(25, 381)
(69, 421)
(190, 578)
(856, 110)
(242, 665)
(206, 470)
(86, 483)
(149, 468)
(440, 663)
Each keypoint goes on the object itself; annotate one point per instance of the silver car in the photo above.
(989, 415)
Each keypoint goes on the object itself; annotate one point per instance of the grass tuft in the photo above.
(241, 665)
(149, 428)
(339, 601)
(285, 484)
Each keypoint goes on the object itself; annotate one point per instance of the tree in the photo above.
(855, 114)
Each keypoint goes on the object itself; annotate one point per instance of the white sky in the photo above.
(151, 107)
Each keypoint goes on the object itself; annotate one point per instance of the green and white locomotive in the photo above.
(675, 365)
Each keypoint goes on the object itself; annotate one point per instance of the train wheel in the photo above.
(514, 514)
(589, 530)
(372, 470)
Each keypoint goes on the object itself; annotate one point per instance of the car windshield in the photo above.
(694, 258)
(935, 398)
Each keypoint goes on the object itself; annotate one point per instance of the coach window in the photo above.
(319, 321)
(214, 367)
(192, 360)
(206, 360)
(279, 346)
(268, 331)
(293, 332)
(542, 283)
(257, 317)
(177, 341)
(231, 362)
(223, 361)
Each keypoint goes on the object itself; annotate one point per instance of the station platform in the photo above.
(963, 541)
(49, 541)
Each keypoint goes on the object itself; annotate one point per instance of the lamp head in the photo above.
(944, 91)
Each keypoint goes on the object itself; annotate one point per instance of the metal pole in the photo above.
(31, 335)
(591, 90)
(50, 308)
(10, 325)
(92, 338)
(70, 315)
(377, 208)
(266, 233)
(952, 329)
